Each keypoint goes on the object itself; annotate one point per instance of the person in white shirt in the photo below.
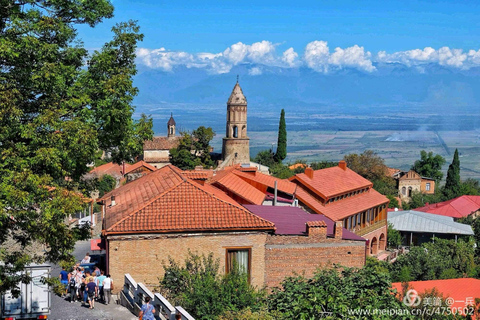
(86, 259)
(107, 288)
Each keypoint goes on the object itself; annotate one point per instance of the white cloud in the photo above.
(255, 71)
(444, 56)
(317, 56)
(354, 57)
(290, 57)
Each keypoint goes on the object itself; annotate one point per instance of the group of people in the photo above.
(86, 286)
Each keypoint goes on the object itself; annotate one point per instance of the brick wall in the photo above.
(142, 255)
(285, 255)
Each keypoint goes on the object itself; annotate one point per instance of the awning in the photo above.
(97, 244)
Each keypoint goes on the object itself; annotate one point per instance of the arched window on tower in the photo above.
(171, 130)
(235, 132)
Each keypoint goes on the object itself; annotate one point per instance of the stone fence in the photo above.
(133, 297)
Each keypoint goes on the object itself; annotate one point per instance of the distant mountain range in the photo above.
(432, 86)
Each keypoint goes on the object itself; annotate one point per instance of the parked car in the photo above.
(88, 267)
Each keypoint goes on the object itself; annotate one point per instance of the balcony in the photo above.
(367, 229)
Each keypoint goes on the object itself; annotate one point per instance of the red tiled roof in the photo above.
(459, 207)
(332, 181)
(161, 143)
(266, 180)
(460, 290)
(316, 223)
(392, 171)
(292, 220)
(166, 201)
(198, 174)
(112, 169)
(137, 165)
(241, 188)
(346, 207)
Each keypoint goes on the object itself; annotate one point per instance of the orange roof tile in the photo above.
(241, 188)
(266, 180)
(346, 207)
(161, 143)
(332, 181)
(392, 171)
(139, 164)
(198, 174)
(460, 290)
(112, 169)
(166, 201)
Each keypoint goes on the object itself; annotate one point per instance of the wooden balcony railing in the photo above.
(363, 231)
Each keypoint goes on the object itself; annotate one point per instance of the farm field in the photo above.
(400, 149)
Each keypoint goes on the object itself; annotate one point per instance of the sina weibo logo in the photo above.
(412, 299)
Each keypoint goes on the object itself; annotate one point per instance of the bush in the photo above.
(199, 288)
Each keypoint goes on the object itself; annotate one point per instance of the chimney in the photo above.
(338, 230)
(113, 201)
(426, 204)
(123, 167)
(342, 164)
(309, 172)
(275, 194)
(317, 229)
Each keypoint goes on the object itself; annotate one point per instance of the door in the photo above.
(38, 293)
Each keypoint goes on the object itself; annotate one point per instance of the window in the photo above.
(428, 186)
(235, 132)
(239, 257)
(404, 190)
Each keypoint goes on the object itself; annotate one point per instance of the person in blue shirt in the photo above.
(100, 280)
(64, 278)
(147, 311)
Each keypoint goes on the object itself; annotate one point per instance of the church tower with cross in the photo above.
(235, 148)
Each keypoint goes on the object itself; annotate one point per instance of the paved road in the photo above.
(62, 309)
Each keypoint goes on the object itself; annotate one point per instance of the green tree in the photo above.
(199, 288)
(266, 158)
(281, 153)
(452, 187)
(335, 293)
(429, 165)
(193, 149)
(435, 260)
(55, 113)
(372, 167)
(394, 238)
(106, 184)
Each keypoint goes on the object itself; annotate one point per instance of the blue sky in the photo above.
(299, 33)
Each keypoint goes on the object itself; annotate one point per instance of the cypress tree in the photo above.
(282, 139)
(452, 185)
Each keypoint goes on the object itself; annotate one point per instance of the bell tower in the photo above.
(171, 127)
(235, 148)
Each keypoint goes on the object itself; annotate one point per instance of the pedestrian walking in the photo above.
(72, 287)
(64, 277)
(147, 311)
(100, 281)
(107, 288)
(91, 290)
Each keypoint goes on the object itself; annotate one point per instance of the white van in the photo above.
(34, 301)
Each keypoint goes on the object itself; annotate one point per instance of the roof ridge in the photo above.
(145, 205)
(196, 185)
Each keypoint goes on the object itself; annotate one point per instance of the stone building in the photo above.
(156, 152)
(235, 148)
(410, 181)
